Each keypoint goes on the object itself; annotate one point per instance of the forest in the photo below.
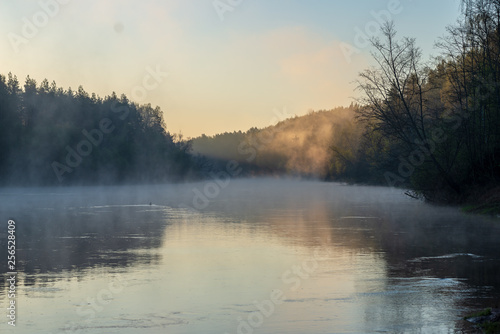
(435, 128)
(429, 126)
(52, 136)
(297, 146)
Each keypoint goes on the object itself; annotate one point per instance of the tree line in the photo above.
(52, 136)
(432, 128)
(297, 146)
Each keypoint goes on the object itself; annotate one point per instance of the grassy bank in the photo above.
(491, 209)
(487, 320)
(484, 201)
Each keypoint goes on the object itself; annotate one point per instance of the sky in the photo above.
(211, 65)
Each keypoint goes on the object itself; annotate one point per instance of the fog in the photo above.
(298, 146)
(69, 237)
(239, 248)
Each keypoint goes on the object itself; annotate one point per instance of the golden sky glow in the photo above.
(228, 67)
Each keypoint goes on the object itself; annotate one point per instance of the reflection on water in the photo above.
(265, 256)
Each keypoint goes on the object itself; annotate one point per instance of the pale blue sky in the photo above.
(222, 75)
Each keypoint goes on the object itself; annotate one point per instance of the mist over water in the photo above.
(293, 146)
(269, 255)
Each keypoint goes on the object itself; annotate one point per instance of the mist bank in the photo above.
(329, 145)
(52, 136)
(297, 146)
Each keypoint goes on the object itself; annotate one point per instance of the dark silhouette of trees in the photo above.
(49, 136)
(439, 126)
(397, 100)
(472, 76)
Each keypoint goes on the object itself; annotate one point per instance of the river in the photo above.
(260, 256)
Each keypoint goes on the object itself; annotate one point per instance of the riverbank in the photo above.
(487, 320)
(485, 202)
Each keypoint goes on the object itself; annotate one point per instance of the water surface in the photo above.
(264, 256)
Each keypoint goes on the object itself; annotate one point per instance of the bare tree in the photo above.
(396, 97)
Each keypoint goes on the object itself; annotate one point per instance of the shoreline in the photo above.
(484, 201)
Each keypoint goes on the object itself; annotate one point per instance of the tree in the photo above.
(49, 135)
(396, 100)
(472, 60)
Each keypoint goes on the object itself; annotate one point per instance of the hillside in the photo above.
(298, 145)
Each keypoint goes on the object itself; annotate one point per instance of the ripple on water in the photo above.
(446, 256)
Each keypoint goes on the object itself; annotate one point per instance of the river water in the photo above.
(261, 256)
